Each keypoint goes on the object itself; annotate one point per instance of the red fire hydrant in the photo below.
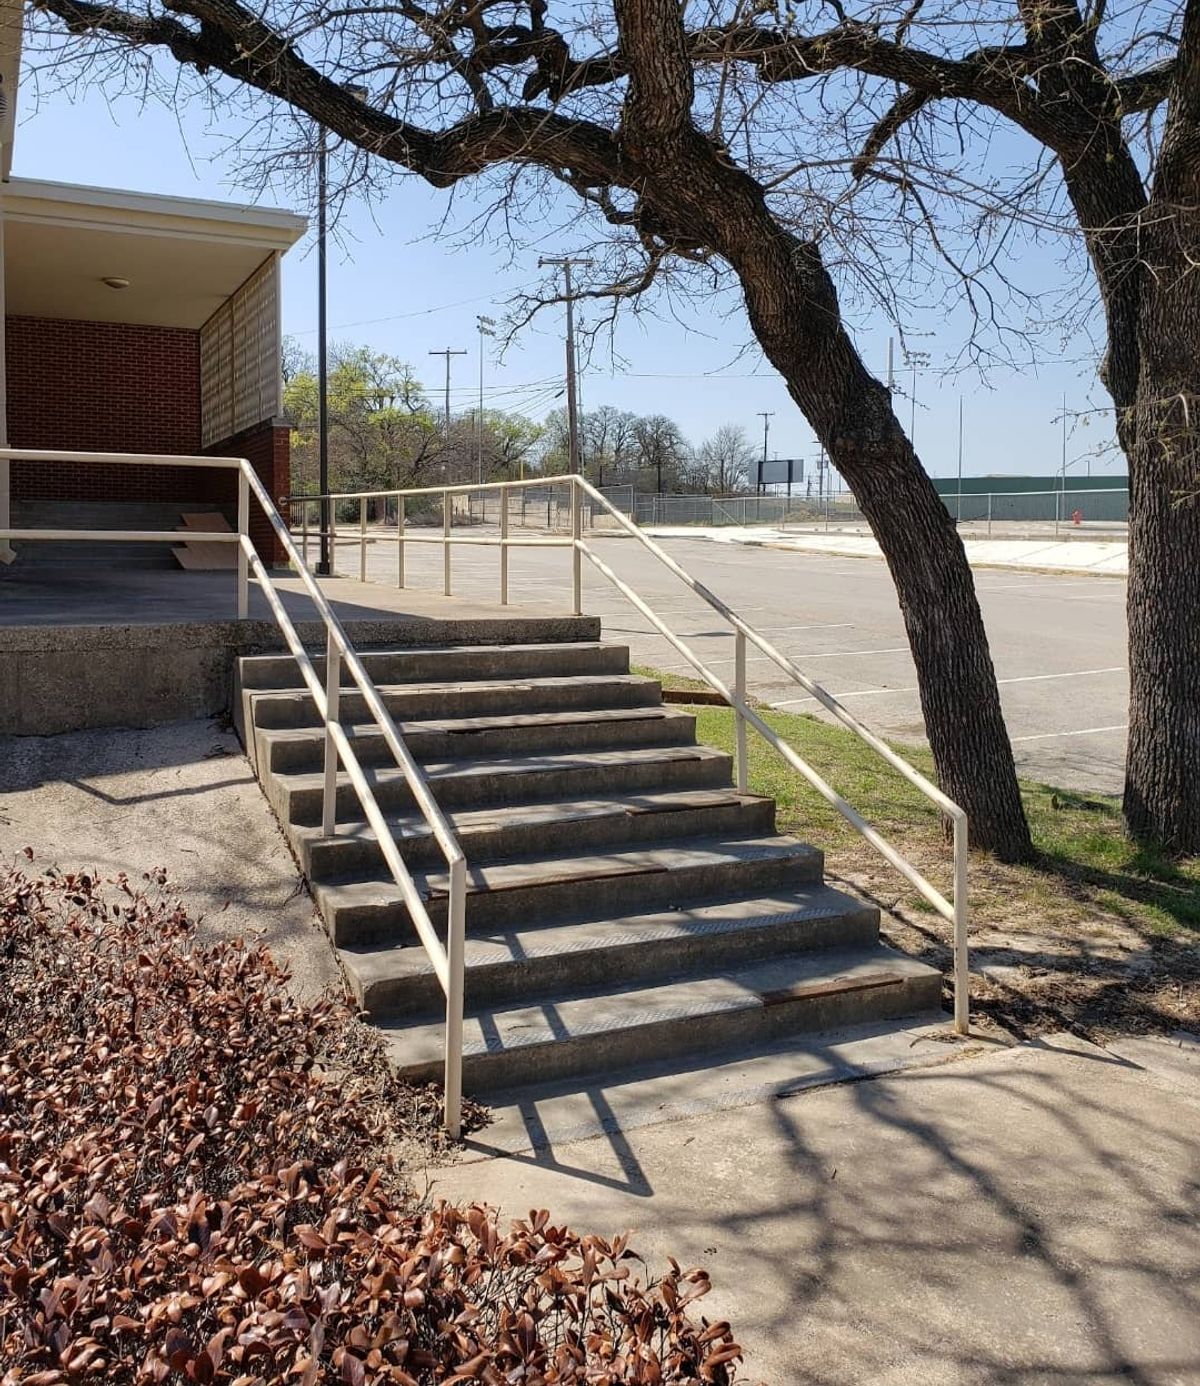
(1076, 517)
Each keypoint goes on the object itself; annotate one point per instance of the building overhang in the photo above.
(176, 260)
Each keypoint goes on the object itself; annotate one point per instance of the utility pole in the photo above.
(1064, 441)
(918, 360)
(766, 417)
(891, 364)
(485, 325)
(565, 263)
(447, 353)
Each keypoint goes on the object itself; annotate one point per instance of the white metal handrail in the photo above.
(447, 959)
(954, 910)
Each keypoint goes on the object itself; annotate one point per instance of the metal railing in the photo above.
(583, 494)
(448, 958)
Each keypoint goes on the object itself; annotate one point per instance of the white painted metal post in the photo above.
(333, 538)
(447, 512)
(576, 550)
(243, 579)
(504, 546)
(304, 532)
(400, 541)
(739, 691)
(362, 539)
(455, 948)
(989, 514)
(333, 686)
(962, 974)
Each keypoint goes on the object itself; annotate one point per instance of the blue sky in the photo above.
(397, 286)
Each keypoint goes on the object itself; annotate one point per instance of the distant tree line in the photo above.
(386, 432)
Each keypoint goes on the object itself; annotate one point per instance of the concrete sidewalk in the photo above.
(1027, 1216)
(1104, 556)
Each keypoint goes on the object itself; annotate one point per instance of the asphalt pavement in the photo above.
(1057, 641)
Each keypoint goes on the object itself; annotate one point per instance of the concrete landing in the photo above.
(1026, 1216)
(138, 648)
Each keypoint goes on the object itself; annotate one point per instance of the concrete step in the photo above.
(391, 981)
(592, 1031)
(559, 825)
(82, 515)
(579, 886)
(608, 729)
(487, 781)
(446, 662)
(479, 698)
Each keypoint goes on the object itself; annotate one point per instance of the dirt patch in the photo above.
(1046, 954)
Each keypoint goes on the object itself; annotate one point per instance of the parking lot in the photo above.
(1058, 642)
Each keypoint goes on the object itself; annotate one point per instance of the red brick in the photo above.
(119, 387)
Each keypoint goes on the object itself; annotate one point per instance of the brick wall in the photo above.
(121, 387)
(267, 447)
(103, 387)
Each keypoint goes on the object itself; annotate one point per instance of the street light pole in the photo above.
(324, 560)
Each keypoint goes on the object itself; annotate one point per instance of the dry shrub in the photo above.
(197, 1185)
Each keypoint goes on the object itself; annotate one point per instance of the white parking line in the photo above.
(1024, 678)
(1084, 731)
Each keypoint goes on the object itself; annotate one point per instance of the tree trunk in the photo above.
(1162, 766)
(1162, 763)
(793, 308)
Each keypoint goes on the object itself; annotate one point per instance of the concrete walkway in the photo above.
(1103, 556)
(1028, 1216)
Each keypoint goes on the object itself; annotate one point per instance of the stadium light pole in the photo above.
(485, 326)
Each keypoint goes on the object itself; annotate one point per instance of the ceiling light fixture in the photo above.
(114, 281)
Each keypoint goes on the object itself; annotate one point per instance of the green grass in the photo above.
(1088, 872)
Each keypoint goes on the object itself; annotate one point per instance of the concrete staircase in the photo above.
(97, 554)
(625, 902)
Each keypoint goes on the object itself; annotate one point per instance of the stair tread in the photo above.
(518, 764)
(492, 946)
(406, 826)
(496, 722)
(515, 684)
(590, 1012)
(656, 857)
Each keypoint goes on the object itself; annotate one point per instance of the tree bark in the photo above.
(1162, 768)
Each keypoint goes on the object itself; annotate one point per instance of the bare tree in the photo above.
(725, 460)
(648, 122)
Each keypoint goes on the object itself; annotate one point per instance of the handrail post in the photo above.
(333, 686)
(333, 538)
(504, 546)
(400, 542)
(576, 549)
(739, 693)
(362, 540)
(304, 532)
(243, 578)
(455, 949)
(962, 974)
(447, 511)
